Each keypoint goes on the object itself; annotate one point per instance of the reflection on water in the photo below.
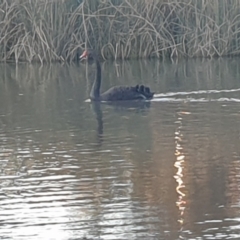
(179, 164)
(165, 169)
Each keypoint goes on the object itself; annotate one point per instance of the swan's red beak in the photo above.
(84, 55)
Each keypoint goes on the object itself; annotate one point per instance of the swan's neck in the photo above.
(95, 91)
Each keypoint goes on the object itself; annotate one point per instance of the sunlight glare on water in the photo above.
(162, 169)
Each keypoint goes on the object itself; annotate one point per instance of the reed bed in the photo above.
(58, 30)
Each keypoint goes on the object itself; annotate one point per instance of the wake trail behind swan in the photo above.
(174, 96)
(170, 94)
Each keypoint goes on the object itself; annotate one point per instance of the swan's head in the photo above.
(88, 54)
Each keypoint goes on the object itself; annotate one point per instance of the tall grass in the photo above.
(50, 30)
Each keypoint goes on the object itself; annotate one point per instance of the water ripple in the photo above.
(170, 94)
(68, 171)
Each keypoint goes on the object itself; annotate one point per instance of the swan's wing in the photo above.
(119, 93)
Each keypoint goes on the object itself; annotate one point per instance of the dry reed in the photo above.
(54, 30)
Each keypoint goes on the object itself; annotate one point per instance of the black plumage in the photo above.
(117, 93)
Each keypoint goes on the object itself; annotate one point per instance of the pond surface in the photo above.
(165, 169)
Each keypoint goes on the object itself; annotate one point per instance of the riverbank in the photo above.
(58, 30)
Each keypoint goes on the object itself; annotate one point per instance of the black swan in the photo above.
(117, 93)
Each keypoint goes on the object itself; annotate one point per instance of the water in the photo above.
(165, 169)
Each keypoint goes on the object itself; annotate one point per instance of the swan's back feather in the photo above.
(119, 93)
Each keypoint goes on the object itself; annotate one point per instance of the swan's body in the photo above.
(117, 93)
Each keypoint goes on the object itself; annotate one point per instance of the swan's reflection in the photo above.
(126, 105)
(96, 107)
(116, 106)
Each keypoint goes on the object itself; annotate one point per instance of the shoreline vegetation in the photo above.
(58, 30)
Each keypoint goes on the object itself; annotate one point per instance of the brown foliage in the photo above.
(50, 30)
